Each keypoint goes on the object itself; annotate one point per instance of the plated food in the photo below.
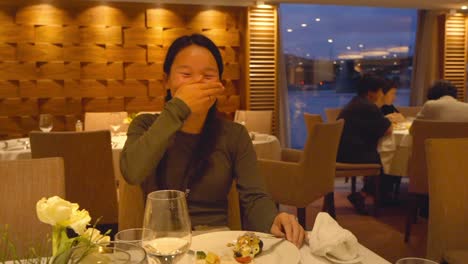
(222, 248)
(244, 250)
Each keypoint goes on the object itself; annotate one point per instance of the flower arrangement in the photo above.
(129, 118)
(63, 215)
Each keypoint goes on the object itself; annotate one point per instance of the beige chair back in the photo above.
(332, 113)
(301, 183)
(319, 158)
(255, 121)
(422, 130)
(23, 183)
(447, 166)
(89, 172)
(409, 111)
(311, 120)
(102, 121)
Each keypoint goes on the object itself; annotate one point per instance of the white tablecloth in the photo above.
(266, 147)
(368, 257)
(395, 152)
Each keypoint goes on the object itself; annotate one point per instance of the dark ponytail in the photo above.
(200, 161)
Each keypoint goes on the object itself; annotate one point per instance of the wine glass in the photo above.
(115, 122)
(415, 261)
(45, 122)
(136, 236)
(166, 214)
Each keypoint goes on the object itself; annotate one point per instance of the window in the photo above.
(326, 48)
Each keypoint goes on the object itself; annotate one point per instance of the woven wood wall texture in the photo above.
(69, 57)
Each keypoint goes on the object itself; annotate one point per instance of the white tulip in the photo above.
(55, 210)
(79, 220)
(95, 236)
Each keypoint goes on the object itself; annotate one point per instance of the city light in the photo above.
(330, 40)
(317, 19)
(348, 48)
(289, 30)
(361, 46)
(303, 25)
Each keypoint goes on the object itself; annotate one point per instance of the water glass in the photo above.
(112, 252)
(134, 236)
(166, 214)
(45, 122)
(415, 261)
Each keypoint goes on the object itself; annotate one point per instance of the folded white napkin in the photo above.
(329, 238)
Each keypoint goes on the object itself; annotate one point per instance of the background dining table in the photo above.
(395, 151)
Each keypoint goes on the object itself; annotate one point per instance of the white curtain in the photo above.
(282, 90)
(426, 63)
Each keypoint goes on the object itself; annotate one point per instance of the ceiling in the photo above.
(420, 4)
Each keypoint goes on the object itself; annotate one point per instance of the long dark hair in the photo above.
(200, 161)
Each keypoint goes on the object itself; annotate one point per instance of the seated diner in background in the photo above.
(442, 104)
(388, 109)
(364, 126)
(188, 147)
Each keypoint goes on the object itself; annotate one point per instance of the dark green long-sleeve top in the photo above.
(149, 137)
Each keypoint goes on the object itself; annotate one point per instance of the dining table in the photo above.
(395, 150)
(266, 147)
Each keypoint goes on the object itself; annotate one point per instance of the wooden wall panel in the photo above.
(44, 13)
(143, 71)
(143, 36)
(57, 34)
(102, 71)
(9, 89)
(165, 18)
(127, 88)
(18, 71)
(100, 35)
(8, 52)
(58, 70)
(85, 53)
(16, 33)
(132, 53)
(70, 57)
(39, 52)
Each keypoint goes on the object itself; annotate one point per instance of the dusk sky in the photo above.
(375, 28)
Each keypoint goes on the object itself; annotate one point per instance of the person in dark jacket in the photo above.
(388, 109)
(364, 126)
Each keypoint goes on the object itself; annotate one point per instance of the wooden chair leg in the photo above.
(411, 215)
(377, 195)
(301, 216)
(396, 192)
(329, 204)
(353, 184)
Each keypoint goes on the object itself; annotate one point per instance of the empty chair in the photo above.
(23, 183)
(332, 113)
(447, 170)
(300, 183)
(255, 121)
(421, 130)
(409, 111)
(104, 121)
(89, 171)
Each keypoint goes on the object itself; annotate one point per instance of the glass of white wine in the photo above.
(45, 122)
(166, 215)
(115, 122)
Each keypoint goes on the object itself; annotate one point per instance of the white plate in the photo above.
(284, 252)
(335, 260)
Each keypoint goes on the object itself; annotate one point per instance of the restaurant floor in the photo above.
(384, 234)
